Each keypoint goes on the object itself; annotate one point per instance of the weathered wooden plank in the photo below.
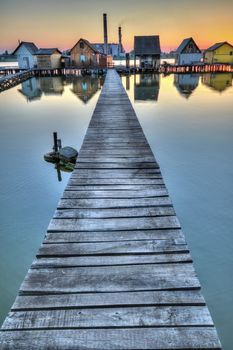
(128, 165)
(109, 260)
(112, 202)
(143, 223)
(117, 183)
(82, 300)
(115, 152)
(112, 236)
(150, 316)
(74, 185)
(110, 248)
(77, 187)
(124, 339)
(113, 159)
(158, 192)
(113, 213)
(116, 173)
(110, 279)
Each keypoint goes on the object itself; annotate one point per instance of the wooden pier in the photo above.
(114, 271)
(11, 80)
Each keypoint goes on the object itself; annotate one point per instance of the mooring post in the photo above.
(55, 148)
(57, 167)
(59, 145)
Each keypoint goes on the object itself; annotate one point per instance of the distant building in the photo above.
(25, 54)
(147, 50)
(48, 58)
(188, 52)
(85, 55)
(219, 53)
(115, 50)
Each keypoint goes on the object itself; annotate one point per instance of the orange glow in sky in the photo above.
(57, 23)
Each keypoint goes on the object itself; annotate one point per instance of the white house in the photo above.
(188, 52)
(25, 54)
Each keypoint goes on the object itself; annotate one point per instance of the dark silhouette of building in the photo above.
(147, 50)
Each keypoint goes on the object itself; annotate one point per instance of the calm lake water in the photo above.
(188, 120)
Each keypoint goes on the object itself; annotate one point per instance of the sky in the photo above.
(61, 23)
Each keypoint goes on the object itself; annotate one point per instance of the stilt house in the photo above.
(25, 54)
(147, 50)
(188, 52)
(85, 55)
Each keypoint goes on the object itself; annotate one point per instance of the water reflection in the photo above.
(31, 90)
(186, 83)
(83, 87)
(218, 82)
(52, 85)
(146, 87)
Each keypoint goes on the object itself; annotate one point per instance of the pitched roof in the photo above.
(88, 44)
(217, 45)
(147, 45)
(46, 51)
(32, 48)
(184, 43)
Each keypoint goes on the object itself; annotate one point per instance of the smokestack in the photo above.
(120, 40)
(105, 33)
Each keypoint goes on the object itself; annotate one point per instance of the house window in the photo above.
(81, 45)
(82, 58)
(231, 53)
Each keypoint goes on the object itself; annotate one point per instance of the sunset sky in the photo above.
(60, 23)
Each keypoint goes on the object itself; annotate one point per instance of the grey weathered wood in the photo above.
(157, 192)
(113, 213)
(112, 236)
(113, 183)
(126, 159)
(104, 260)
(112, 339)
(157, 316)
(82, 300)
(118, 173)
(114, 271)
(128, 165)
(110, 279)
(112, 248)
(114, 224)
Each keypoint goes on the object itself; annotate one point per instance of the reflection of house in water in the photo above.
(85, 87)
(186, 83)
(31, 89)
(146, 87)
(217, 81)
(52, 85)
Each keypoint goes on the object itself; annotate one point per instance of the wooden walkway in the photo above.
(11, 80)
(114, 271)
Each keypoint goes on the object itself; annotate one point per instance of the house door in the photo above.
(26, 62)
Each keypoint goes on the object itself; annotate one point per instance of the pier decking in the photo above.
(114, 271)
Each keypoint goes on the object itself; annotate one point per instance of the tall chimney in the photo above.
(105, 34)
(120, 40)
